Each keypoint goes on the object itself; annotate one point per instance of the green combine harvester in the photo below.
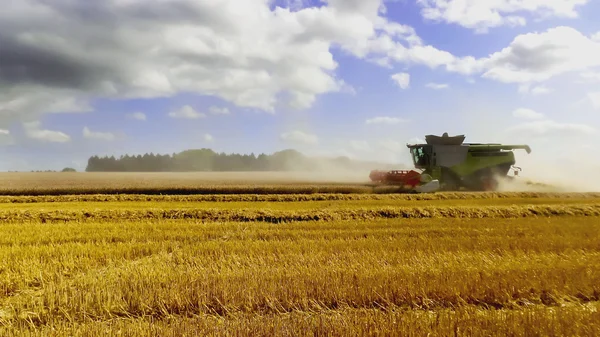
(448, 164)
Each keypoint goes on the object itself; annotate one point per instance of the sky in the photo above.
(359, 78)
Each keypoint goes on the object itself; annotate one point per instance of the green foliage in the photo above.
(69, 169)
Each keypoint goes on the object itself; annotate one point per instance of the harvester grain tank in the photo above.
(449, 164)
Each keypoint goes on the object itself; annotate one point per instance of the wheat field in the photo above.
(296, 263)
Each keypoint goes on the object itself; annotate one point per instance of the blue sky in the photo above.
(534, 77)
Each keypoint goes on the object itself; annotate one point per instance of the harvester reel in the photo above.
(516, 170)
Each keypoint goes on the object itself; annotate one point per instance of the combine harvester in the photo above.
(448, 164)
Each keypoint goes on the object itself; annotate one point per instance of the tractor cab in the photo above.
(421, 155)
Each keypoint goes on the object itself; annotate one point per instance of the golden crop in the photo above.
(253, 215)
(90, 274)
(334, 264)
(245, 197)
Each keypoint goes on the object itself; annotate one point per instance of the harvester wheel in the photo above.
(489, 183)
(450, 181)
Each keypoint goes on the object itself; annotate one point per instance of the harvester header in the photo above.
(449, 164)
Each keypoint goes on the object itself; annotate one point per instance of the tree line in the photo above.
(209, 160)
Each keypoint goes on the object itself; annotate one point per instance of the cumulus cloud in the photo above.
(552, 128)
(27, 102)
(33, 130)
(208, 138)
(73, 52)
(300, 137)
(245, 52)
(218, 111)
(186, 112)
(140, 116)
(437, 86)
(482, 15)
(402, 80)
(525, 113)
(537, 57)
(530, 58)
(385, 120)
(89, 134)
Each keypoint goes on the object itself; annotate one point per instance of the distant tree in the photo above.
(69, 169)
(202, 160)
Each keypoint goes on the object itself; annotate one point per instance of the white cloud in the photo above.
(552, 128)
(525, 113)
(240, 51)
(385, 120)
(596, 37)
(89, 134)
(401, 79)
(138, 116)
(299, 137)
(27, 102)
(208, 138)
(541, 90)
(5, 137)
(535, 90)
(537, 57)
(594, 98)
(186, 112)
(437, 86)
(529, 59)
(482, 15)
(218, 111)
(33, 131)
(244, 52)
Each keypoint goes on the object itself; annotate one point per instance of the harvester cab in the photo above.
(447, 163)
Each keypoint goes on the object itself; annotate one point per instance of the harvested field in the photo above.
(61, 183)
(127, 274)
(510, 197)
(336, 264)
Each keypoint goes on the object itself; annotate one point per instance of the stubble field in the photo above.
(228, 255)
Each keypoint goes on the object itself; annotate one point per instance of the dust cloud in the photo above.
(327, 170)
(565, 175)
